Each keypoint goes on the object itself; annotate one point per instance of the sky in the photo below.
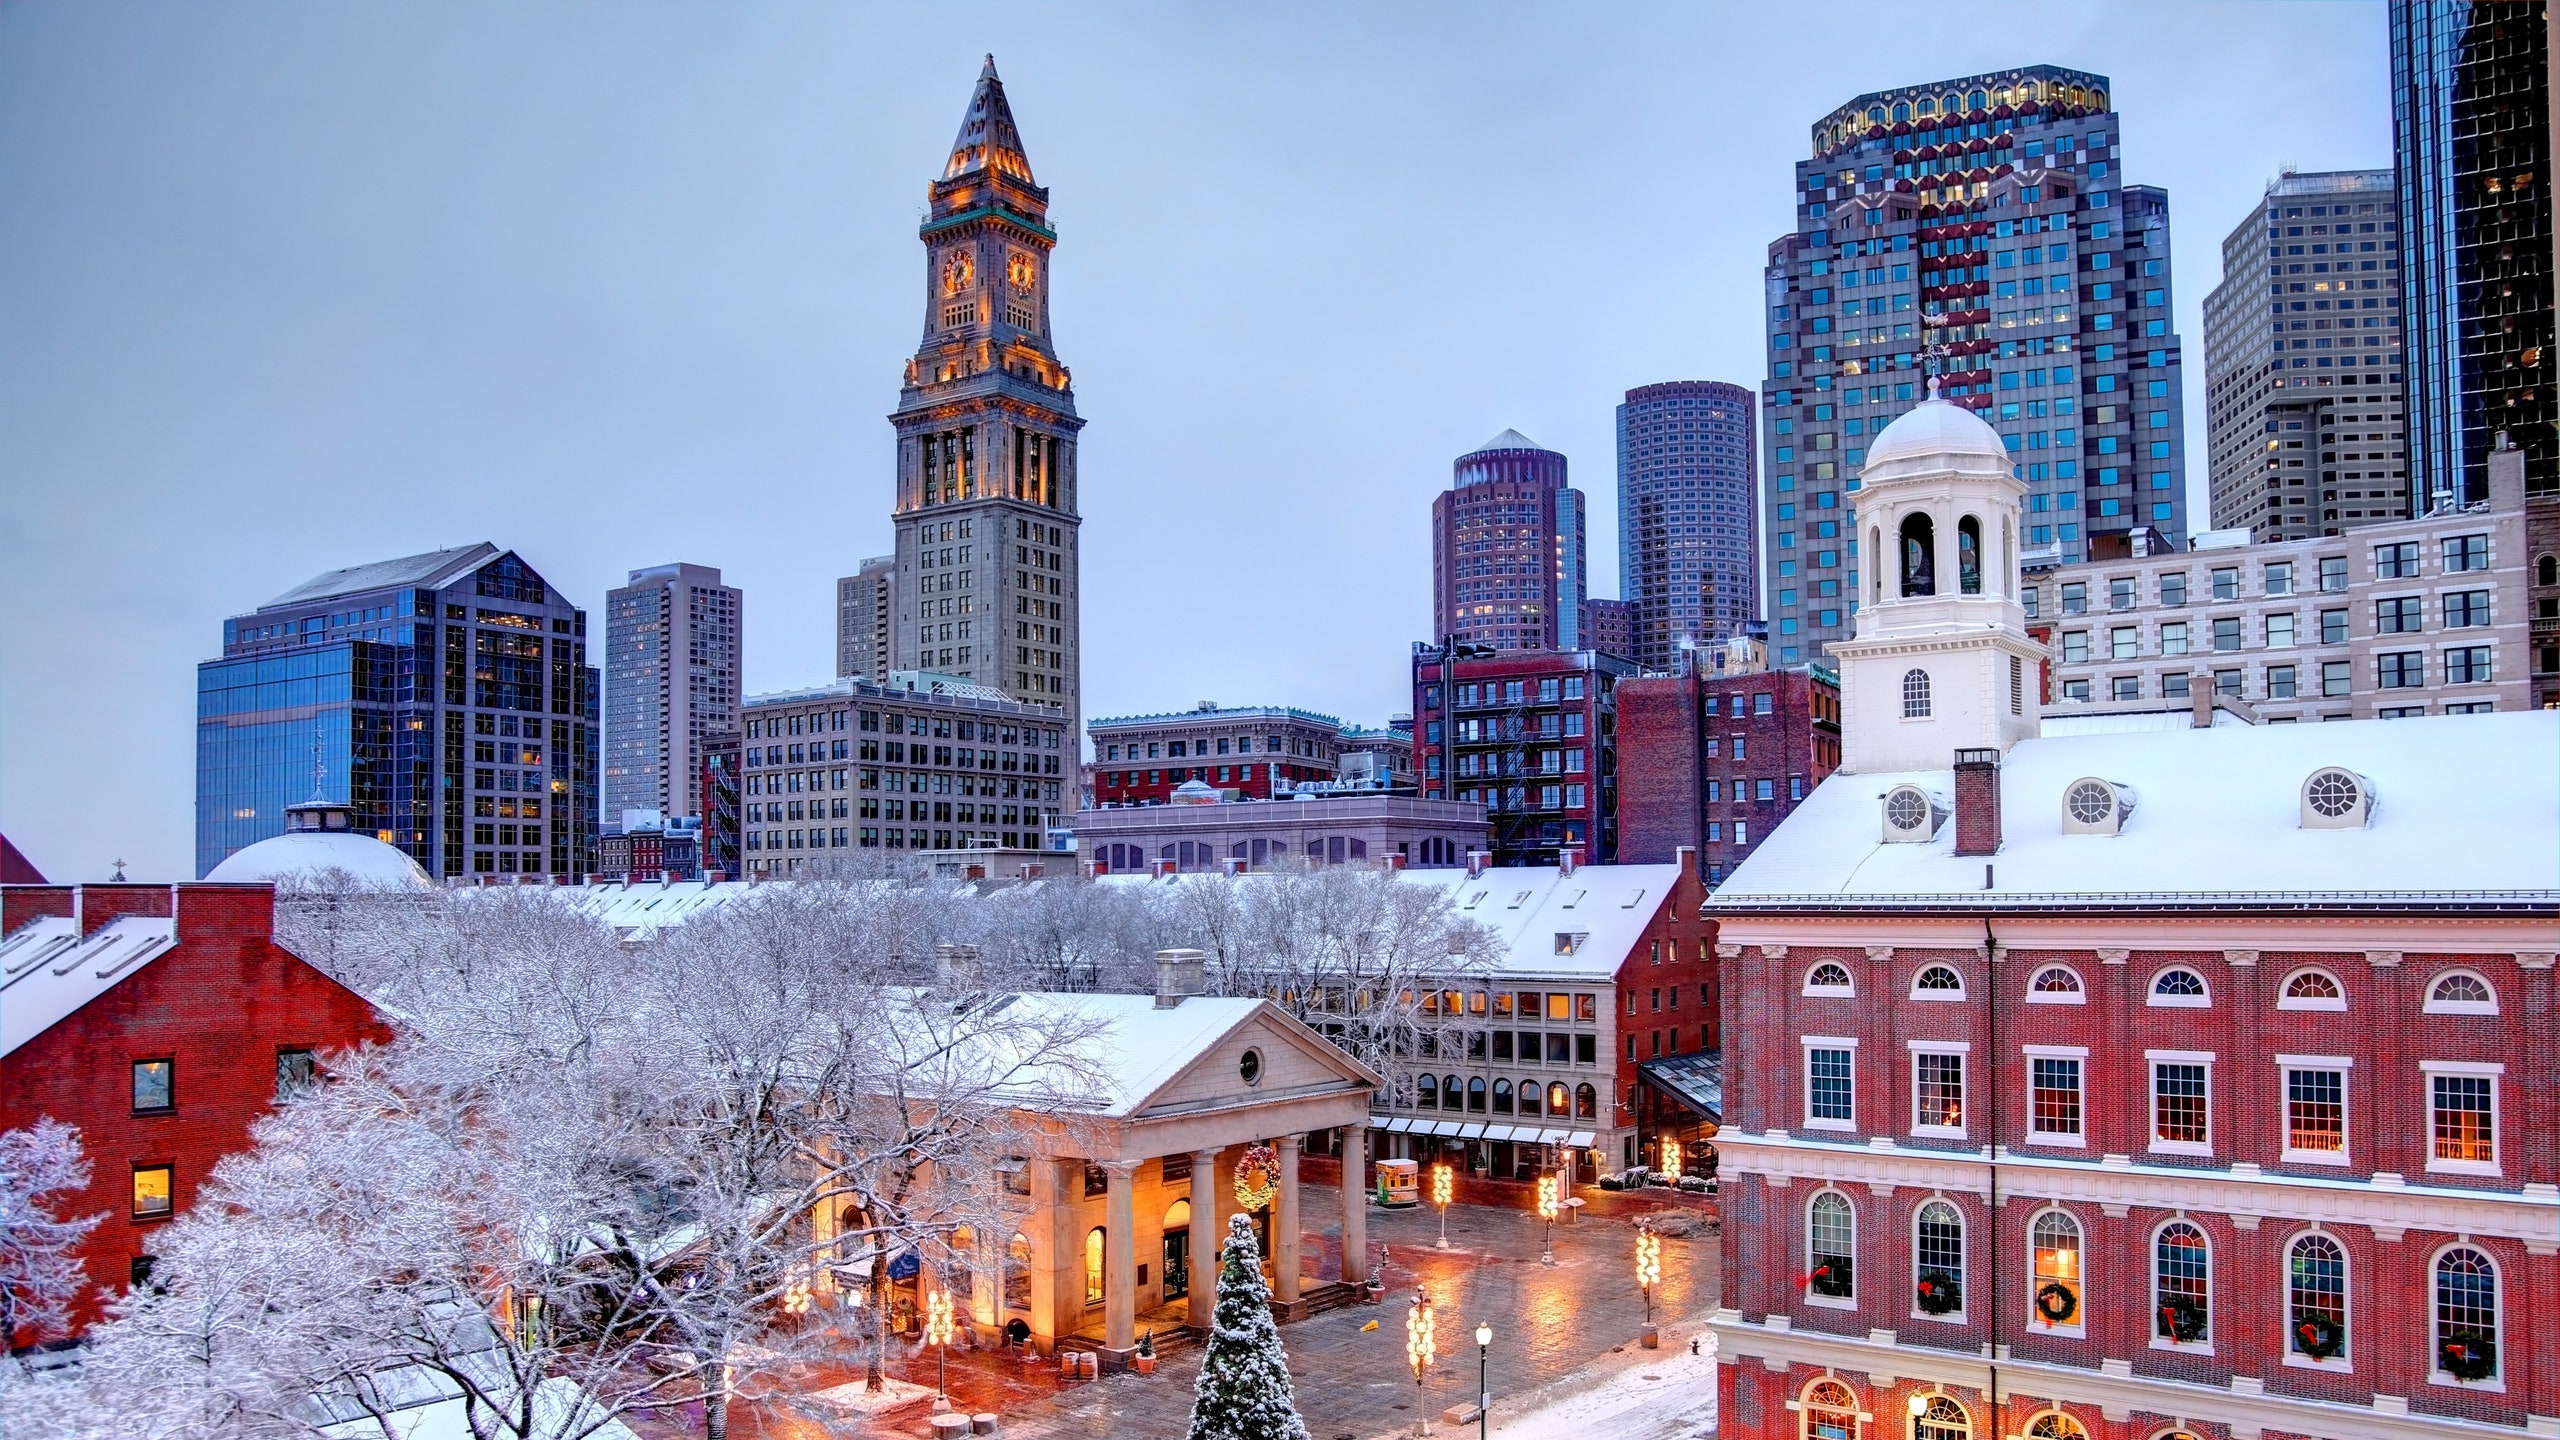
(287, 287)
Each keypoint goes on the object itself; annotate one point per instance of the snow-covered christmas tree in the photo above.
(1243, 1392)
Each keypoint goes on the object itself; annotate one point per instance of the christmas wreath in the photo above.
(2468, 1355)
(2056, 1303)
(2181, 1319)
(1939, 1293)
(2319, 1337)
(1831, 1278)
(1257, 1177)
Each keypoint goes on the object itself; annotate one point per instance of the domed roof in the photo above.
(1195, 792)
(304, 855)
(1935, 435)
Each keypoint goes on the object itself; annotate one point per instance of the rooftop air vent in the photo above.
(2337, 799)
(2092, 806)
(1911, 815)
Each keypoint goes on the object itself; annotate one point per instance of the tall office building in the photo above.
(865, 601)
(2471, 112)
(1688, 550)
(1981, 228)
(672, 662)
(987, 558)
(2302, 361)
(445, 698)
(1507, 559)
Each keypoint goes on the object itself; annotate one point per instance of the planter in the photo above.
(1144, 1364)
(1652, 1338)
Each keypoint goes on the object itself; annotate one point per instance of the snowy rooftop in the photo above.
(1131, 1051)
(2467, 808)
(47, 971)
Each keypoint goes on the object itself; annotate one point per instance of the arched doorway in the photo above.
(1177, 1250)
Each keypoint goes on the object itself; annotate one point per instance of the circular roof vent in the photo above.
(1911, 815)
(2335, 798)
(2093, 806)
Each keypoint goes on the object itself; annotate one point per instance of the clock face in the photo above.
(958, 271)
(1018, 270)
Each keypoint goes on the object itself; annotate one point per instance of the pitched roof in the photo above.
(988, 136)
(1508, 440)
(1132, 1050)
(2216, 818)
(432, 570)
(48, 971)
(15, 867)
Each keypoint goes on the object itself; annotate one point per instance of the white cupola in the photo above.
(1941, 660)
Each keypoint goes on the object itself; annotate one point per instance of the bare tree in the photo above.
(40, 1276)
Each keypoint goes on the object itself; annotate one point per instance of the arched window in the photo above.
(1532, 1094)
(2054, 1425)
(2311, 989)
(1475, 1094)
(2316, 1298)
(2460, 992)
(1501, 1097)
(2055, 985)
(1426, 1092)
(2179, 988)
(1941, 1419)
(1830, 1411)
(1831, 1247)
(1875, 577)
(1969, 556)
(2181, 1284)
(2466, 1314)
(1093, 1242)
(1559, 1099)
(1828, 978)
(1938, 1250)
(2546, 571)
(1937, 982)
(1915, 694)
(1919, 556)
(2054, 1299)
(1586, 1102)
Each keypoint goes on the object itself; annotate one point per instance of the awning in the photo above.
(1398, 1125)
(1694, 1082)
(1442, 1127)
(1582, 1139)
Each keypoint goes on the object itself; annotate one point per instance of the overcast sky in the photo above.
(289, 287)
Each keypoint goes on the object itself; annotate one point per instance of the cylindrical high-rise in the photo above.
(1688, 544)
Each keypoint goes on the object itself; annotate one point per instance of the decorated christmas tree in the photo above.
(1243, 1392)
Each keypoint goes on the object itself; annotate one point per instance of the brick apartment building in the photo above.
(1713, 762)
(1246, 749)
(162, 1020)
(2126, 1078)
(1529, 734)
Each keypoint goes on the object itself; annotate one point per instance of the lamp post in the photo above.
(1671, 1158)
(938, 1330)
(1420, 1347)
(1548, 1204)
(1484, 1387)
(1442, 1184)
(1648, 1271)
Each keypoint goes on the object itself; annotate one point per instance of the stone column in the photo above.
(1120, 1256)
(1355, 1202)
(1205, 1238)
(1284, 1222)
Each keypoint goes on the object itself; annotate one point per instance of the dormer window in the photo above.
(2179, 988)
(1829, 979)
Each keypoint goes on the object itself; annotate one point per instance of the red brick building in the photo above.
(1244, 749)
(1713, 762)
(161, 1020)
(1529, 734)
(2133, 1079)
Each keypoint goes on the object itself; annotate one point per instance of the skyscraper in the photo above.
(1688, 552)
(1980, 227)
(2302, 357)
(987, 560)
(865, 601)
(445, 698)
(671, 674)
(2471, 112)
(1507, 559)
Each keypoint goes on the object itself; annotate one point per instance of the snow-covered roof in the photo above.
(641, 910)
(2467, 810)
(433, 570)
(307, 854)
(1131, 1050)
(48, 971)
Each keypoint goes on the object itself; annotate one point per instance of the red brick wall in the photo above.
(1679, 773)
(1668, 989)
(1661, 806)
(222, 1003)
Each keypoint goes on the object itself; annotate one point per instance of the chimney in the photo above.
(2200, 701)
(1476, 860)
(1977, 802)
(1034, 871)
(1167, 867)
(2506, 477)
(1180, 974)
(1568, 859)
(1396, 861)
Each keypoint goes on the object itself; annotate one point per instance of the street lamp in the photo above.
(938, 1330)
(1671, 1158)
(1442, 1183)
(1549, 1202)
(1484, 1387)
(1648, 1271)
(1420, 1347)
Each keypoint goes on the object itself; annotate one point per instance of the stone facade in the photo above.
(1688, 541)
(1507, 550)
(866, 604)
(674, 664)
(1255, 834)
(1242, 750)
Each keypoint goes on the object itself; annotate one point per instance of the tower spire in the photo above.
(988, 138)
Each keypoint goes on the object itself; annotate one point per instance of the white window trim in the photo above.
(2076, 996)
(2337, 1364)
(1957, 993)
(2077, 1328)
(2152, 997)
(2286, 1002)
(2494, 1071)
(1805, 1048)
(2345, 1065)
(2151, 1059)
(2152, 1266)
(2035, 1136)
(2495, 1384)
(1834, 1302)
(1838, 992)
(2433, 1006)
(1964, 1075)
(1964, 1253)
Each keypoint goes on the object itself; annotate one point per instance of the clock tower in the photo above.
(987, 557)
